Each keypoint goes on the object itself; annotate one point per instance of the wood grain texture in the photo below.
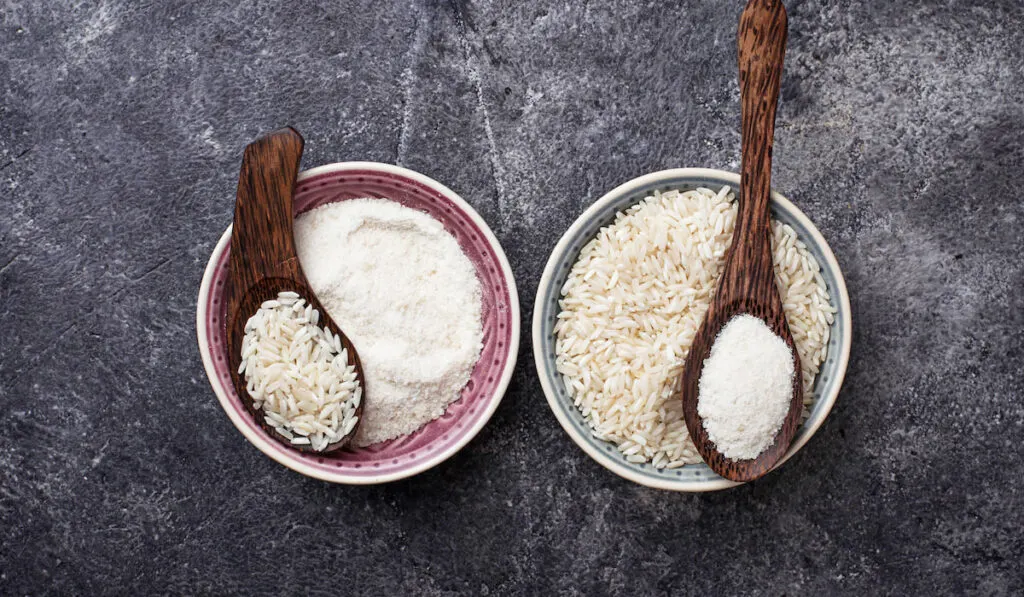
(748, 283)
(263, 261)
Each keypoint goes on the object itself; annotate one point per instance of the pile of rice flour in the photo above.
(745, 388)
(400, 287)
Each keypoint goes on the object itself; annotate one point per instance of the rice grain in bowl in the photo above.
(634, 430)
(464, 418)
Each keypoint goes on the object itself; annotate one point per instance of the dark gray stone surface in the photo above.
(901, 133)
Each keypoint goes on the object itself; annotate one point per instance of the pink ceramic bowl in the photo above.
(439, 439)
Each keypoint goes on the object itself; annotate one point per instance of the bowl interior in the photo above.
(443, 436)
(695, 477)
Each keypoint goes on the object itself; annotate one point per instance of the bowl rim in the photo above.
(285, 458)
(842, 297)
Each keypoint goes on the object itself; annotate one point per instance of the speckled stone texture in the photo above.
(901, 134)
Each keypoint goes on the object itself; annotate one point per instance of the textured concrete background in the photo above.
(901, 134)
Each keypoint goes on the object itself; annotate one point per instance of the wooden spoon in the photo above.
(747, 284)
(263, 260)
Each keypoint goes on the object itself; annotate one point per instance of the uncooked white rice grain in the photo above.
(298, 374)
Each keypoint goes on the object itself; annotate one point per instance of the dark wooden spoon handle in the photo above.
(262, 241)
(761, 48)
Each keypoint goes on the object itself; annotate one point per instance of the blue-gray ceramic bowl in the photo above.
(696, 477)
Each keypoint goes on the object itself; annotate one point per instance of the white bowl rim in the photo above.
(263, 444)
(841, 295)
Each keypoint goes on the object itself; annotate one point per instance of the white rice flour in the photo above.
(402, 290)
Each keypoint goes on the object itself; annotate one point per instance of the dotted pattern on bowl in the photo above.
(694, 473)
(399, 455)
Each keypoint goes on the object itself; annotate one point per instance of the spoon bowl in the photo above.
(747, 284)
(263, 260)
